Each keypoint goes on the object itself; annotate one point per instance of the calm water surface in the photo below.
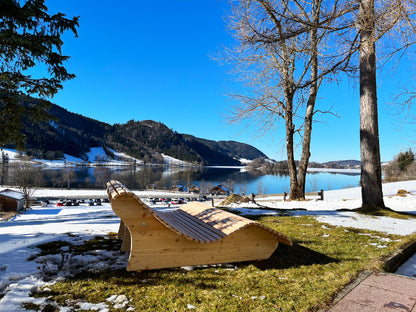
(164, 178)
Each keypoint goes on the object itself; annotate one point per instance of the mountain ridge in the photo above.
(74, 134)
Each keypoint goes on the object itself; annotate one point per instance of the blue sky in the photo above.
(137, 59)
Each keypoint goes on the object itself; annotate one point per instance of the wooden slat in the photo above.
(235, 222)
(216, 216)
(199, 225)
(181, 227)
(196, 228)
(219, 219)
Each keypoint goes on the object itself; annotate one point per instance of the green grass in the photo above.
(385, 212)
(304, 277)
(98, 242)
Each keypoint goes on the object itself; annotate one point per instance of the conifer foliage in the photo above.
(29, 38)
(405, 159)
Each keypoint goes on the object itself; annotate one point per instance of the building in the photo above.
(11, 200)
(194, 189)
(220, 190)
(151, 187)
(177, 188)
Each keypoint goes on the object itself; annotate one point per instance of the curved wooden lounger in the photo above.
(193, 234)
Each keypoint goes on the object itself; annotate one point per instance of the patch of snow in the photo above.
(245, 161)
(334, 170)
(226, 167)
(12, 194)
(173, 161)
(97, 154)
(12, 154)
(408, 268)
(125, 157)
(101, 307)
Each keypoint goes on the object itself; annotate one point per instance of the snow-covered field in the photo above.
(19, 276)
(328, 210)
(95, 156)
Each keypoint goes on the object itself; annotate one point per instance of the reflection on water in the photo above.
(166, 177)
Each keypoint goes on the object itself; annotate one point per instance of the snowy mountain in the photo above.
(70, 134)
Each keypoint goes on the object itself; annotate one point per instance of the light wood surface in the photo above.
(193, 234)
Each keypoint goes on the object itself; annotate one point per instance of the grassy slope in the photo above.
(304, 277)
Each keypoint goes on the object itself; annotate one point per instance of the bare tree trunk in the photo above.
(295, 190)
(310, 107)
(372, 195)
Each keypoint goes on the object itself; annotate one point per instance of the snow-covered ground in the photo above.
(334, 170)
(95, 156)
(19, 277)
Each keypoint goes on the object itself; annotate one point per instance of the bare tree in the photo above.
(371, 183)
(230, 183)
(28, 178)
(243, 187)
(283, 59)
(102, 175)
(391, 21)
(68, 176)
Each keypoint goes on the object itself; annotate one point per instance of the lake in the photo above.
(165, 177)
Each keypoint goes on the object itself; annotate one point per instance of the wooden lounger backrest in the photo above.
(195, 221)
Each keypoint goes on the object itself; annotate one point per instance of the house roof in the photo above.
(221, 187)
(12, 194)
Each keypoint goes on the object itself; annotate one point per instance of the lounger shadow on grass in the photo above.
(294, 256)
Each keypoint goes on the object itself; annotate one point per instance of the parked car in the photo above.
(97, 202)
(90, 202)
(177, 201)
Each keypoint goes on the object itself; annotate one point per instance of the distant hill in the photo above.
(231, 148)
(74, 134)
(337, 164)
(344, 164)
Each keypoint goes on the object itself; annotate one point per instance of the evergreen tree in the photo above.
(405, 159)
(29, 36)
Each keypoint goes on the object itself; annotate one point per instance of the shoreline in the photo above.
(389, 189)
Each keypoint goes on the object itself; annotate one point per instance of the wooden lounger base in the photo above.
(191, 235)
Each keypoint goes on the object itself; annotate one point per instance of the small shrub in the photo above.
(233, 198)
(402, 193)
(245, 200)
